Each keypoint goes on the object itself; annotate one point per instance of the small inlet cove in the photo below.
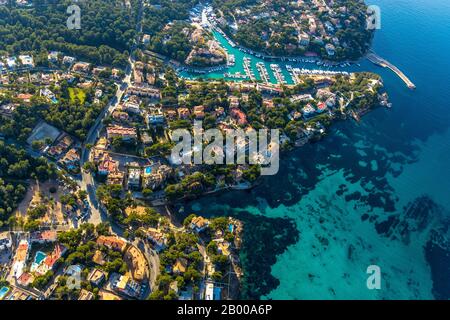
(370, 193)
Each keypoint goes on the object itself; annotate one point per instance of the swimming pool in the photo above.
(3, 292)
(40, 256)
(148, 170)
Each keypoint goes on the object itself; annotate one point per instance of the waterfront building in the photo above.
(198, 224)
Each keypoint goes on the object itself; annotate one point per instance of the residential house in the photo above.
(86, 295)
(321, 107)
(71, 160)
(145, 91)
(25, 97)
(134, 178)
(120, 116)
(53, 56)
(146, 39)
(43, 236)
(212, 292)
(180, 266)
(128, 286)
(132, 107)
(183, 113)
(308, 110)
(68, 60)
(20, 258)
(115, 177)
(50, 260)
(137, 263)
(26, 61)
(96, 277)
(11, 62)
(122, 132)
(239, 116)
(303, 39)
(107, 165)
(199, 112)
(156, 237)
(81, 67)
(155, 117)
(112, 242)
(198, 224)
(99, 258)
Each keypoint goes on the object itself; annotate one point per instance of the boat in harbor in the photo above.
(278, 73)
(231, 60)
(263, 72)
(236, 75)
(247, 68)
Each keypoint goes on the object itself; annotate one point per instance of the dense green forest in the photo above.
(172, 42)
(161, 12)
(107, 29)
(15, 168)
(74, 117)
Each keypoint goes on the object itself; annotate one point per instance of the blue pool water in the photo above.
(3, 292)
(40, 256)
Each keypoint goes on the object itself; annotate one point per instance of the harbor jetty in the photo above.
(374, 58)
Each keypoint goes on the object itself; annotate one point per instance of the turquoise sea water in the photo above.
(377, 192)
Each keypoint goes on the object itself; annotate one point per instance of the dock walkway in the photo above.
(374, 58)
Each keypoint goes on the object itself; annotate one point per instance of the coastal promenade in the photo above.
(374, 58)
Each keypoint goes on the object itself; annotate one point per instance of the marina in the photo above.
(243, 63)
